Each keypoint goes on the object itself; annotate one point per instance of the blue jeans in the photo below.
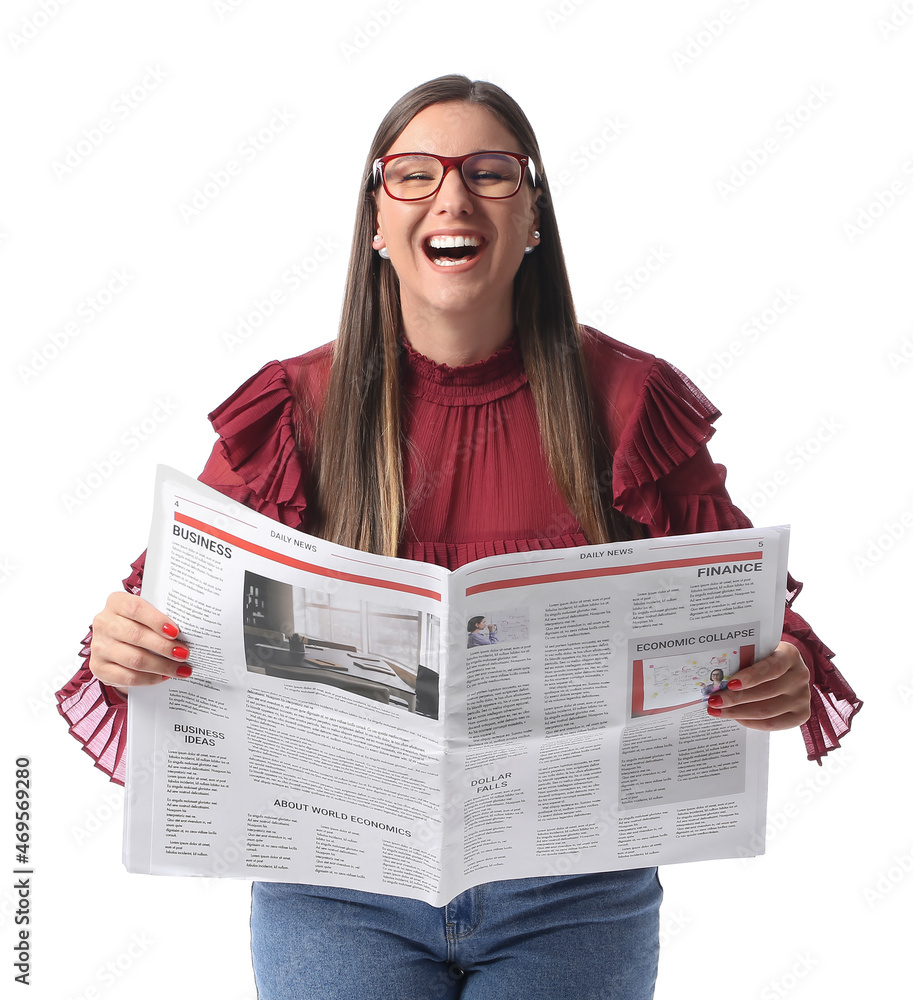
(577, 936)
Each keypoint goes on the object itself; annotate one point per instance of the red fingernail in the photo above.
(715, 712)
(715, 701)
(170, 630)
(184, 671)
(735, 684)
(180, 653)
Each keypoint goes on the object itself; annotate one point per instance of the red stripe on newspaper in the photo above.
(336, 574)
(597, 571)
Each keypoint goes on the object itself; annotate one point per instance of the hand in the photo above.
(133, 644)
(772, 693)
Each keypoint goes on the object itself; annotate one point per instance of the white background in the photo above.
(815, 405)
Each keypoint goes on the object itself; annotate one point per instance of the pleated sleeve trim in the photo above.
(95, 713)
(833, 702)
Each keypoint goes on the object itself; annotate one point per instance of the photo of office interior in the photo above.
(384, 653)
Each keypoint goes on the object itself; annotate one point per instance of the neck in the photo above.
(457, 338)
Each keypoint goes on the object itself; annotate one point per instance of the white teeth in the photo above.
(442, 242)
(446, 261)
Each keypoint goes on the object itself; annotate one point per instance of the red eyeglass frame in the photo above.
(454, 161)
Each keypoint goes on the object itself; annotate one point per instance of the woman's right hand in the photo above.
(134, 644)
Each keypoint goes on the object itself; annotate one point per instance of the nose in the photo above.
(453, 196)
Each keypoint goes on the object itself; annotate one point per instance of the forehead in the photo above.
(453, 129)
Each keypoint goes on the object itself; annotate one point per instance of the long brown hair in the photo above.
(360, 500)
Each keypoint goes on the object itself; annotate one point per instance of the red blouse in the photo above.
(478, 485)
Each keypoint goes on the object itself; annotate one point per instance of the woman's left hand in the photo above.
(772, 693)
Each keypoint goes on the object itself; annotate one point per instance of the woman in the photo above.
(717, 683)
(480, 632)
(463, 412)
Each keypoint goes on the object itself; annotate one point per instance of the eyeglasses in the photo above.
(489, 174)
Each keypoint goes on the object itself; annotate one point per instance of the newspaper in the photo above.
(389, 725)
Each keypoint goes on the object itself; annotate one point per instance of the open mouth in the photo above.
(447, 251)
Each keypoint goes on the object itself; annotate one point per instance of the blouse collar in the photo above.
(480, 382)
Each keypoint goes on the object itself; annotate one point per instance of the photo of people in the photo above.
(506, 626)
(481, 632)
(718, 682)
(384, 653)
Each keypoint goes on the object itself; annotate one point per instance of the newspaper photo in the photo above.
(389, 725)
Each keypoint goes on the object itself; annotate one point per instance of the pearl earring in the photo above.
(536, 235)
(381, 251)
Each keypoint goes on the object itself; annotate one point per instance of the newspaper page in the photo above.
(389, 725)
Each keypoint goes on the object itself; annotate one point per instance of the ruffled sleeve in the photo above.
(263, 456)
(664, 478)
(670, 423)
(260, 460)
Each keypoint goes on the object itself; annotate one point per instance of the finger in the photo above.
(133, 633)
(138, 609)
(119, 663)
(760, 672)
(122, 680)
(761, 708)
(130, 619)
(788, 693)
(127, 648)
(784, 673)
(126, 665)
(786, 684)
(779, 704)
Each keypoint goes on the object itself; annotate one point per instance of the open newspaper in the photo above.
(389, 725)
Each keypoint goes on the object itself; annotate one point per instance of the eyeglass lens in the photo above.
(490, 175)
